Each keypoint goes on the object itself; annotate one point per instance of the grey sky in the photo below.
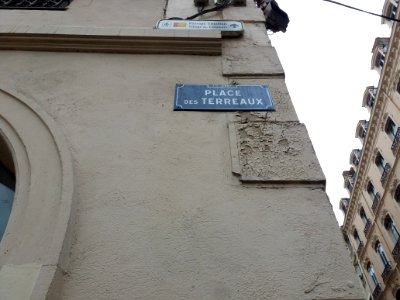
(326, 54)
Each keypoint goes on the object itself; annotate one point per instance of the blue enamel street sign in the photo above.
(219, 97)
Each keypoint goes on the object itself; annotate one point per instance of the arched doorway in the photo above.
(7, 185)
(36, 200)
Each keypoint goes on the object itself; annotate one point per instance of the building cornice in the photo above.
(109, 40)
(384, 87)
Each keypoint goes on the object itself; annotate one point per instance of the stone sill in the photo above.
(109, 40)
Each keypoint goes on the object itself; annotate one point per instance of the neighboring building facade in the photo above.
(372, 213)
(114, 195)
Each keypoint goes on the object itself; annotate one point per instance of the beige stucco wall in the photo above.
(160, 213)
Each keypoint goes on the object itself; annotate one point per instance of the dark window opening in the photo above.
(398, 87)
(381, 253)
(363, 215)
(379, 161)
(390, 127)
(356, 237)
(372, 274)
(397, 193)
(370, 188)
(391, 228)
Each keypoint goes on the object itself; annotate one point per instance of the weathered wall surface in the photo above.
(185, 205)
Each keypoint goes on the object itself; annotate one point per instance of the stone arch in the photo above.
(34, 248)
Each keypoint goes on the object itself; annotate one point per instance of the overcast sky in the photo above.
(326, 55)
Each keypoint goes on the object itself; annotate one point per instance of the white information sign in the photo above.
(227, 28)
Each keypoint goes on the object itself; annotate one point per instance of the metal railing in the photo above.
(349, 184)
(386, 272)
(367, 227)
(396, 141)
(360, 248)
(377, 291)
(375, 202)
(38, 4)
(396, 250)
(385, 173)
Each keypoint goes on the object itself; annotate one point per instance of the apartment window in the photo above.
(391, 228)
(380, 161)
(387, 268)
(393, 10)
(360, 244)
(356, 237)
(363, 215)
(377, 288)
(360, 273)
(366, 221)
(35, 4)
(398, 86)
(372, 191)
(390, 128)
(372, 274)
(397, 194)
(375, 197)
(381, 253)
(370, 188)
(383, 166)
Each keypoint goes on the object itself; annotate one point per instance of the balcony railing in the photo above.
(367, 227)
(344, 204)
(349, 184)
(396, 251)
(385, 173)
(38, 4)
(386, 272)
(375, 202)
(377, 291)
(396, 141)
(371, 96)
(360, 248)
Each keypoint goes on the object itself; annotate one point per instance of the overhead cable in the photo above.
(364, 11)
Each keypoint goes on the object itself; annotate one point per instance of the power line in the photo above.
(364, 11)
